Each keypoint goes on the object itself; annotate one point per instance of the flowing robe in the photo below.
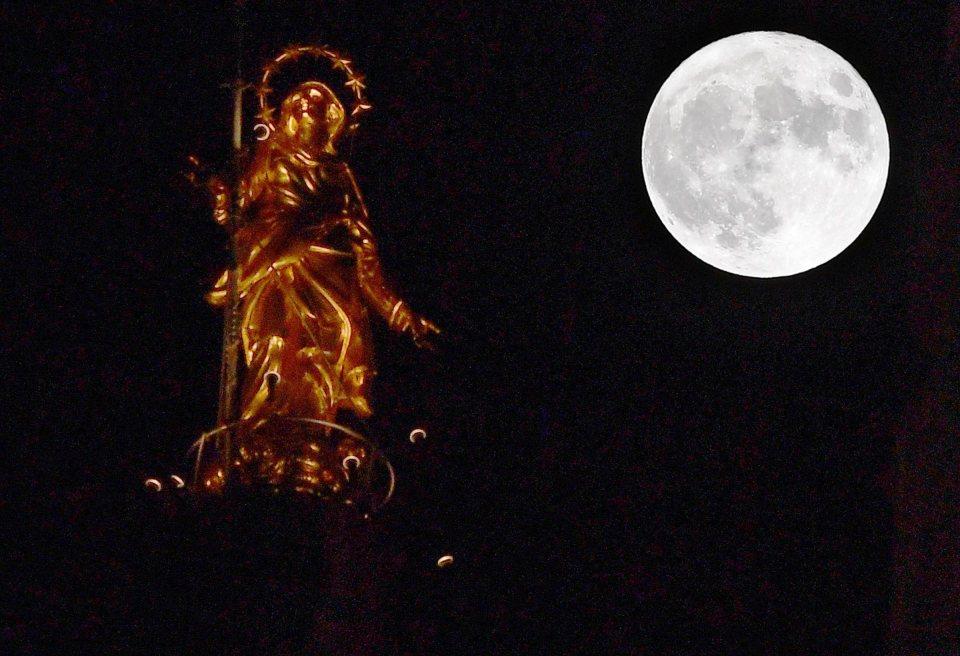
(309, 271)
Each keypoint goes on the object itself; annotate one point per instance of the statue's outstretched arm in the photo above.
(215, 186)
(378, 293)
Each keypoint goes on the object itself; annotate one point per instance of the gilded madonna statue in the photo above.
(308, 278)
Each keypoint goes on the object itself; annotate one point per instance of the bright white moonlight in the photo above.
(765, 154)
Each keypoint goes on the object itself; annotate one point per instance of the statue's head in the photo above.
(313, 116)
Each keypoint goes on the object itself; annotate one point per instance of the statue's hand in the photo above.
(423, 331)
(202, 177)
(420, 328)
(196, 172)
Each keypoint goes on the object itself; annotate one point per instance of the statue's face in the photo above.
(312, 115)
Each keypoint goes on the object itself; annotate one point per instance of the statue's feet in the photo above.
(285, 455)
(315, 471)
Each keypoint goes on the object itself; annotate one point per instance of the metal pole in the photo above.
(230, 362)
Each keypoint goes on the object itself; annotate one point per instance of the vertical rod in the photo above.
(230, 360)
(238, 117)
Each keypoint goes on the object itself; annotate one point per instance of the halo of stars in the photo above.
(355, 82)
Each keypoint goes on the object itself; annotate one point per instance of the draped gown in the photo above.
(309, 273)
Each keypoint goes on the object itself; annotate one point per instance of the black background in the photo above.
(629, 451)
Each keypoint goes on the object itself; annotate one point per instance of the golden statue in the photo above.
(307, 273)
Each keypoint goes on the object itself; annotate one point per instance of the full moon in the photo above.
(765, 154)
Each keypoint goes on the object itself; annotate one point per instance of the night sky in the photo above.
(628, 452)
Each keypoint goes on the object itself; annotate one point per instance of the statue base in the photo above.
(294, 455)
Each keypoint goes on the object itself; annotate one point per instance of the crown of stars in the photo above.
(355, 82)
